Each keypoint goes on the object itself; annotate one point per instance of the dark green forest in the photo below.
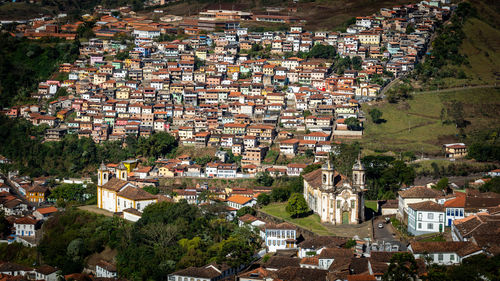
(168, 237)
(24, 63)
(23, 143)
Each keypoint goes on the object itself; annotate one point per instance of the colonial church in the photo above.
(334, 197)
(116, 194)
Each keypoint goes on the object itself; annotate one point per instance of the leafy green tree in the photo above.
(442, 184)
(264, 178)
(310, 168)
(403, 267)
(357, 62)
(280, 194)
(297, 206)
(376, 115)
(493, 185)
(246, 210)
(263, 199)
(152, 189)
(322, 51)
(69, 192)
(353, 124)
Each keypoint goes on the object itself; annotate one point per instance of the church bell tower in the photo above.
(358, 174)
(327, 175)
(102, 175)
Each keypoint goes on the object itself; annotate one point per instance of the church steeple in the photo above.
(358, 174)
(327, 175)
(121, 172)
(102, 175)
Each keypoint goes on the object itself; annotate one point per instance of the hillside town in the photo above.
(239, 100)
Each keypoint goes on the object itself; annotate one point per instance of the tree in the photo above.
(403, 267)
(297, 206)
(246, 210)
(353, 124)
(357, 62)
(442, 184)
(376, 115)
(264, 178)
(263, 199)
(280, 194)
(322, 51)
(310, 168)
(152, 189)
(492, 185)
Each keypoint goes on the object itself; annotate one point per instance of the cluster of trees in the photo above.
(385, 175)
(346, 63)
(22, 143)
(404, 267)
(28, 63)
(454, 169)
(446, 46)
(398, 93)
(172, 236)
(168, 237)
(71, 236)
(376, 116)
(78, 193)
(283, 188)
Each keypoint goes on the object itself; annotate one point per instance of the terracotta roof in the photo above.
(198, 272)
(283, 225)
(48, 210)
(427, 206)
(114, 184)
(25, 220)
(46, 269)
(10, 266)
(332, 253)
(106, 265)
(277, 262)
(361, 277)
(458, 202)
(135, 193)
(301, 274)
(420, 192)
(323, 241)
(239, 199)
(460, 248)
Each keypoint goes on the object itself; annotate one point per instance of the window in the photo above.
(430, 226)
(430, 216)
(419, 225)
(353, 204)
(447, 212)
(452, 212)
(440, 257)
(419, 216)
(440, 217)
(452, 257)
(461, 213)
(338, 204)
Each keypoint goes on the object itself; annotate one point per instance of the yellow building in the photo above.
(116, 194)
(37, 194)
(367, 38)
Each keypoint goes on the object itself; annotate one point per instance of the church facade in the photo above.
(116, 194)
(334, 197)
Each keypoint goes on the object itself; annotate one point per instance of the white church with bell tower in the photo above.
(334, 197)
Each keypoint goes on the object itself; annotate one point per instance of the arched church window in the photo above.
(105, 176)
(355, 178)
(324, 178)
(123, 175)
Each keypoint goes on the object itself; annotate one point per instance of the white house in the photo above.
(444, 253)
(14, 269)
(46, 272)
(239, 201)
(25, 227)
(280, 236)
(105, 269)
(454, 209)
(425, 217)
(413, 195)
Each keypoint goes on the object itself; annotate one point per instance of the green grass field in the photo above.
(416, 125)
(311, 222)
(371, 204)
(482, 48)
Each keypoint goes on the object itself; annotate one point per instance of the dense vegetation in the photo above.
(446, 46)
(28, 63)
(22, 143)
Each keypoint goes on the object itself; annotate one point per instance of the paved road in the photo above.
(382, 234)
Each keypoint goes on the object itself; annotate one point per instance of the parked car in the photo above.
(380, 225)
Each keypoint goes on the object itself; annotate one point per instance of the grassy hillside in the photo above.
(416, 125)
(319, 14)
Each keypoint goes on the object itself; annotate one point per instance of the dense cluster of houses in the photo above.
(208, 91)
